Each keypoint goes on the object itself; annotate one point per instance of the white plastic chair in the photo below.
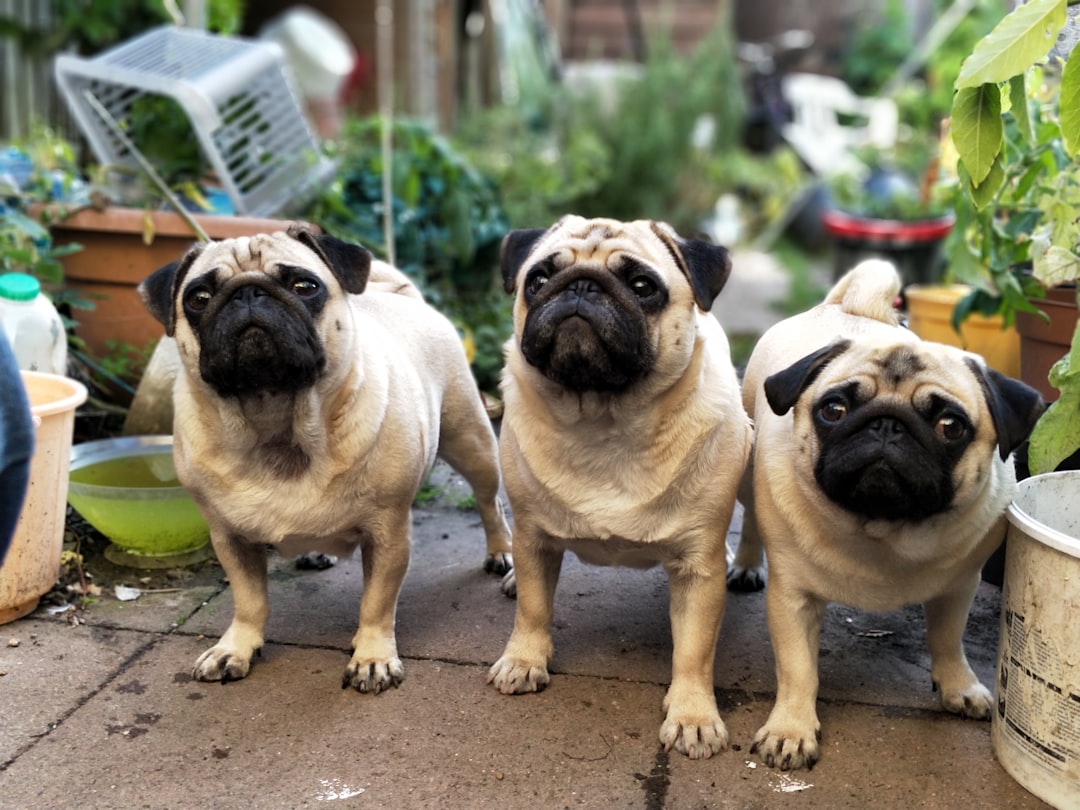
(829, 121)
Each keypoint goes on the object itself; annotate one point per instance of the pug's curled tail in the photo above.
(868, 290)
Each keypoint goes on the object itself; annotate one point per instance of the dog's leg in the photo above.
(746, 572)
(245, 566)
(946, 618)
(375, 666)
(692, 725)
(467, 443)
(523, 664)
(789, 739)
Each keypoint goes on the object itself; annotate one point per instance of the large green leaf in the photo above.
(985, 192)
(1057, 433)
(1024, 37)
(1056, 266)
(1069, 106)
(977, 129)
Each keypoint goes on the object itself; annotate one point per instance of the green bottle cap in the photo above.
(19, 287)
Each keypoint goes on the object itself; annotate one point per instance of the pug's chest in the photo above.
(302, 514)
(635, 520)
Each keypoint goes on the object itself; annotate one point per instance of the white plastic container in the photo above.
(32, 325)
(321, 57)
(1035, 731)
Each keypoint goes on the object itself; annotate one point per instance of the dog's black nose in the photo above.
(887, 428)
(584, 288)
(248, 294)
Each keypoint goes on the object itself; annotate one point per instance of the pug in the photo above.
(316, 388)
(880, 476)
(622, 441)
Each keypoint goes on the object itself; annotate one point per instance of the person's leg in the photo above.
(16, 445)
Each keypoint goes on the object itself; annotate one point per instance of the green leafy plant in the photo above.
(647, 147)
(447, 225)
(881, 38)
(87, 27)
(26, 245)
(156, 124)
(650, 134)
(1017, 145)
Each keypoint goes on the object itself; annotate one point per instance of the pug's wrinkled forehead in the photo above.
(575, 240)
(263, 253)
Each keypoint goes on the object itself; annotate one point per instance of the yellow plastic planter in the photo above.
(930, 310)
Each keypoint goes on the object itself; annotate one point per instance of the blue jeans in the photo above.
(16, 445)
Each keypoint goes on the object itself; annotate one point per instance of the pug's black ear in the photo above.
(706, 266)
(1014, 406)
(516, 247)
(350, 264)
(783, 389)
(158, 290)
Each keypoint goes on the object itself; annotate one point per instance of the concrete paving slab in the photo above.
(752, 297)
(48, 669)
(287, 737)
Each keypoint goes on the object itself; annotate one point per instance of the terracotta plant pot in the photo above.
(930, 311)
(114, 259)
(1043, 343)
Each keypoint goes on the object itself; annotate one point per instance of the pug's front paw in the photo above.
(221, 663)
(970, 699)
(787, 747)
(515, 676)
(697, 738)
(692, 725)
(365, 675)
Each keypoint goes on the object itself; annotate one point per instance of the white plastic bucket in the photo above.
(1035, 730)
(32, 563)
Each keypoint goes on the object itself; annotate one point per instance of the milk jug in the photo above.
(32, 325)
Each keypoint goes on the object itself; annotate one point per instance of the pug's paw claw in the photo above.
(499, 564)
(698, 740)
(787, 751)
(221, 664)
(745, 580)
(509, 584)
(373, 676)
(516, 676)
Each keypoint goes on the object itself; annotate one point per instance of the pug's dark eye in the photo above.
(951, 428)
(536, 280)
(197, 299)
(305, 287)
(642, 286)
(832, 410)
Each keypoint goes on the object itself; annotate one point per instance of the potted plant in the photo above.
(1016, 129)
(888, 214)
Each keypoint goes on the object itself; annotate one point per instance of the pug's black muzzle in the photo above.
(885, 462)
(587, 332)
(258, 339)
